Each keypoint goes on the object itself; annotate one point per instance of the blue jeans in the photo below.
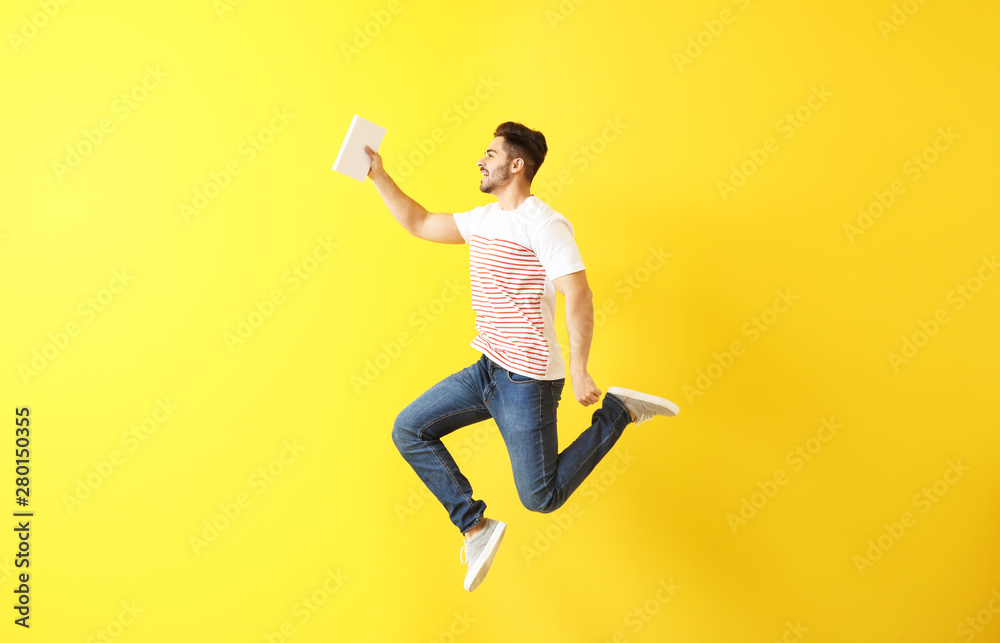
(525, 412)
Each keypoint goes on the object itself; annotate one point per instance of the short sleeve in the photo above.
(463, 223)
(469, 222)
(557, 250)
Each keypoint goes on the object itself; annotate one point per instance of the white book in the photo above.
(352, 159)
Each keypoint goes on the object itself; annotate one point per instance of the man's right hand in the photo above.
(376, 167)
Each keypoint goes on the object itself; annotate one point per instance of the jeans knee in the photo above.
(402, 433)
(540, 502)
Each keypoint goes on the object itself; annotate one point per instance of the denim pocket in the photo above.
(517, 378)
(557, 388)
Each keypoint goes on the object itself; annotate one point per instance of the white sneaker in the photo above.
(645, 406)
(479, 551)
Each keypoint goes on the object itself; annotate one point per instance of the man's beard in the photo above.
(494, 180)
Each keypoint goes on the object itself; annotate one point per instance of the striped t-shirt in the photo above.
(513, 257)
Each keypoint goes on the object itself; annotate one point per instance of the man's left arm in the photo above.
(580, 324)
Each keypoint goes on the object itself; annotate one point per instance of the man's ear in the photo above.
(517, 164)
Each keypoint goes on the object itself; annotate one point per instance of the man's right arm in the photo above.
(432, 226)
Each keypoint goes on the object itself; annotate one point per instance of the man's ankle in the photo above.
(472, 531)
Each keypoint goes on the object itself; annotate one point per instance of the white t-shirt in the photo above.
(513, 257)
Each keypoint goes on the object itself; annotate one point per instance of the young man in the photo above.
(521, 251)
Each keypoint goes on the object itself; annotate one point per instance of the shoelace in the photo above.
(643, 417)
(463, 555)
(642, 414)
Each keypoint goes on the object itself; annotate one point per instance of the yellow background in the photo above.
(340, 504)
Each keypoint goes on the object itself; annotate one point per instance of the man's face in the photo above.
(494, 167)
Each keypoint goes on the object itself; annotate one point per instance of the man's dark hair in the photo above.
(525, 143)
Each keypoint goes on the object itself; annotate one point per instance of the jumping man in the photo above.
(520, 253)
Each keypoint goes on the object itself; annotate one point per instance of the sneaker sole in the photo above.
(492, 545)
(662, 405)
